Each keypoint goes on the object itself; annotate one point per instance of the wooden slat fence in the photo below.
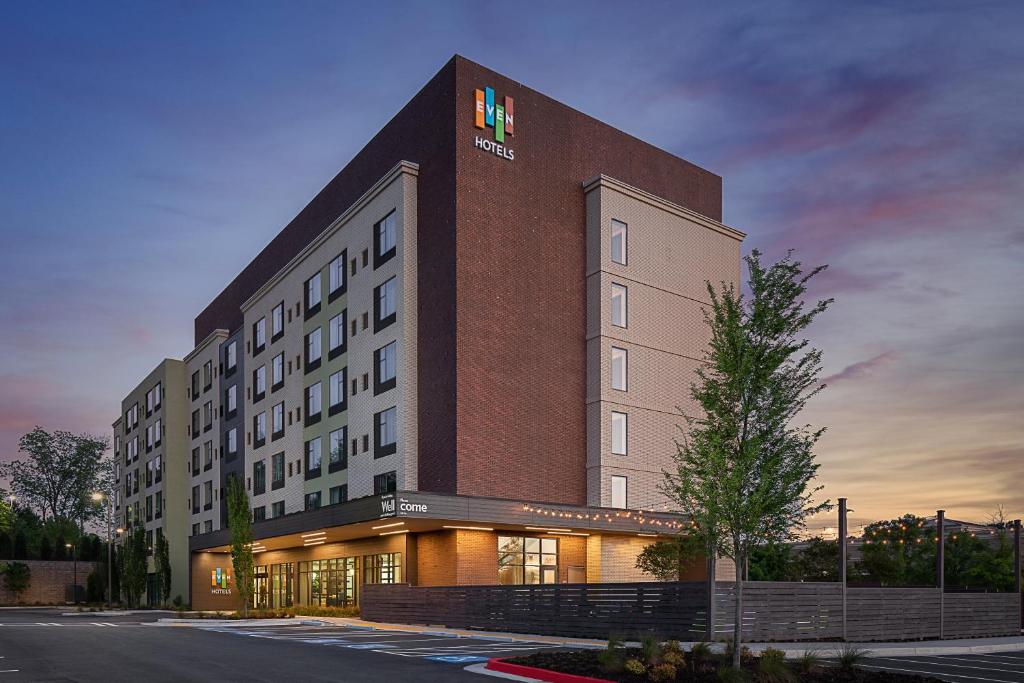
(981, 615)
(670, 610)
(782, 611)
(892, 613)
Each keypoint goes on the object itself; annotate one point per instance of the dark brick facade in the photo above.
(502, 297)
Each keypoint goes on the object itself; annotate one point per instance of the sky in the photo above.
(149, 151)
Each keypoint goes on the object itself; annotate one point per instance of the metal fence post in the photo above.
(842, 556)
(1016, 566)
(940, 568)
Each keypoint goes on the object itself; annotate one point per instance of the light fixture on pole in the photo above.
(98, 497)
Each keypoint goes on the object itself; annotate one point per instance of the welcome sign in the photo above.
(501, 117)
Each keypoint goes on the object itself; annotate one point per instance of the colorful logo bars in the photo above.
(219, 578)
(497, 116)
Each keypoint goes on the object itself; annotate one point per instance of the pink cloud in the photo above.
(861, 369)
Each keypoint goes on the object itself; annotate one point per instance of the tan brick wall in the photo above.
(435, 564)
(477, 557)
(48, 583)
(671, 252)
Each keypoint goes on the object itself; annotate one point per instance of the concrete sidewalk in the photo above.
(825, 649)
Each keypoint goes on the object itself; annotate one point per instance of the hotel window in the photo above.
(336, 276)
(382, 568)
(312, 501)
(195, 423)
(195, 385)
(232, 441)
(135, 448)
(619, 491)
(259, 430)
(208, 526)
(259, 383)
(196, 503)
(259, 513)
(207, 375)
(313, 296)
(259, 477)
(619, 306)
(149, 403)
(159, 504)
(277, 422)
(149, 508)
(276, 471)
(149, 438)
(277, 372)
(149, 473)
(620, 358)
(313, 399)
(337, 455)
(620, 432)
(207, 455)
(158, 469)
(195, 460)
(207, 416)
(313, 458)
(385, 365)
(336, 335)
(385, 304)
(384, 483)
(158, 430)
(259, 336)
(385, 432)
(231, 401)
(157, 391)
(277, 509)
(620, 233)
(195, 529)
(277, 322)
(336, 392)
(339, 494)
(527, 560)
(230, 357)
(313, 350)
(385, 240)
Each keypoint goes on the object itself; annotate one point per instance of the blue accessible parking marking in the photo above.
(459, 659)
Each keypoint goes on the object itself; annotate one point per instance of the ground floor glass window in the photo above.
(272, 586)
(526, 560)
(330, 583)
(382, 568)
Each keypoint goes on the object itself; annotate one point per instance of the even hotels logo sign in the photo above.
(500, 117)
(219, 581)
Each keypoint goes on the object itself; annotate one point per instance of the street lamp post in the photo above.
(99, 496)
(74, 581)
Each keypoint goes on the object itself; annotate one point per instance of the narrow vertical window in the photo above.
(620, 372)
(619, 305)
(619, 485)
(620, 432)
(619, 242)
(385, 305)
(336, 276)
(313, 295)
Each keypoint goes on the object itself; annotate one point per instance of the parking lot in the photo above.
(1000, 667)
(433, 646)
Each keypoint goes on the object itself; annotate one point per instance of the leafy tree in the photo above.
(115, 573)
(743, 469)
(133, 566)
(818, 561)
(17, 578)
(899, 552)
(240, 525)
(61, 548)
(20, 547)
(161, 555)
(58, 473)
(671, 559)
(45, 549)
(6, 548)
(773, 562)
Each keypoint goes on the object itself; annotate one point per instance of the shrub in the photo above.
(809, 661)
(672, 654)
(850, 656)
(727, 674)
(662, 672)
(17, 578)
(177, 602)
(612, 658)
(635, 666)
(771, 667)
(700, 657)
(650, 647)
(319, 611)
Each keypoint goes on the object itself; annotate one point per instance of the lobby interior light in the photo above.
(392, 533)
(314, 542)
(548, 529)
(567, 533)
(649, 535)
(387, 526)
(314, 533)
(471, 528)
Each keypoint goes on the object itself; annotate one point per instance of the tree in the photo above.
(818, 561)
(240, 525)
(58, 473)
(133, 566)
(161, 555)
(670, 560)
(6, 549)
(773, 562)
(17, 578)
(743, 469)
(61, 548)
(899, 552)
(45, 549)
(20, 546)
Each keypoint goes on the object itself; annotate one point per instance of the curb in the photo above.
(534, 674)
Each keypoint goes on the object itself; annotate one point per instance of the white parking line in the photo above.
(933, 673)
(943, 664)
(949, 658)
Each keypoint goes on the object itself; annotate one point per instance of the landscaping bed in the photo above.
(664, 663)
(282, 613)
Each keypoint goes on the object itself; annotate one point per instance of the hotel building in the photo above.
(462, 361)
